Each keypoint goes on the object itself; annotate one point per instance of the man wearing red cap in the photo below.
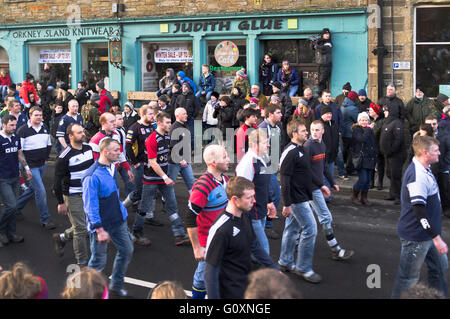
(377, 116)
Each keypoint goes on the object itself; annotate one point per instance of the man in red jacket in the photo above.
(106, 98)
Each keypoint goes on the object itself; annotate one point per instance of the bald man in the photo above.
(180, 149)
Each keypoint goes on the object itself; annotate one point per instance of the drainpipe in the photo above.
(392, 41)
(380, 51)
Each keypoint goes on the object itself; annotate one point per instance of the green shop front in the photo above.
(146, 47)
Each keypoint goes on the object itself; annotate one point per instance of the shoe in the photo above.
(59, 244)
(270, 233)
(153, 222)
(128, 203)
(364, 199)
(140, 239)
(342, 254)
(118, 293)
(3, 239)
(16, 239)
(354, 197)
(181, 240)
(380, 187)
(48, 225)
(389, 198)
(344, 177)
(286, 268)
(309, 276)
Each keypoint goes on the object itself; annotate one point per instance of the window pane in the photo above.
(95, 62)
(433, 24)
(282, 50)
(433, 67)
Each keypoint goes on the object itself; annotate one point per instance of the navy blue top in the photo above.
(64, 123)
(9, 158)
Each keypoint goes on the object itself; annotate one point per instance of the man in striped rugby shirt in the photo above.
(71, 166)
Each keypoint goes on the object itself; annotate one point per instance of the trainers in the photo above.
(153, 222)
(285, 268)
(49, 225)
(343, 177)
(181, 240)
(272, 234)
(3, 239)
(342, 254)
(309, 276)
(59, 244)
(16, 239)
(140, 239)
(118, 293)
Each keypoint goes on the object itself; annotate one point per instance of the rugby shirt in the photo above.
(64, 123)
(36, 144)
(157, 146)
(135, 142)
(71, 166)
(207, 200)
(9, 158)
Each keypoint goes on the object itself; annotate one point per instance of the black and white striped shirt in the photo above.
(70, 168)
(36, 144)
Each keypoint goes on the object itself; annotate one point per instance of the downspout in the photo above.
(380, 51)
(392, 41)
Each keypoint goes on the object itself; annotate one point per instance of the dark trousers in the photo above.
(324, 75)
(347, 154)
(394, 173)
(443, 183)
(380, 170)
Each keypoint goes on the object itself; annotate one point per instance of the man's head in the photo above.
(297, 131)
(162, 101)
(109, 150)
(307, 94)
(285, 64)
(241, 193)
(326, 96)
(108, 122)
(185, 87)
(419, 94)
(317, 130)
(346, 88)
(276, 87)
(175, 88)
(35, 115)
(14, 106)
(326, 113)
(269, 283)
(205, 68)
(164, 122)
(82, 84)
(250, 116)
(100, 86)
(255, 90)
(427, 149)
(75, 132)
(273, 113)
(430, 119)
(73, 107)
(147, 114)
(258, 141)
(9, 124)
(443, 99)
(119, 119)
(362, 95)
(216, 156)
(181, 114)
(390, 90)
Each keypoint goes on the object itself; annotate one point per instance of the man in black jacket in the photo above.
(286, 110)
(391, 100)
(392, 144)
(323, 48)
(192, 107)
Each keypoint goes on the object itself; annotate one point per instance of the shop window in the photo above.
(300, 55)
(58, 55)
(225, 76)
(157, 57)
(433, 50)
(95, 63)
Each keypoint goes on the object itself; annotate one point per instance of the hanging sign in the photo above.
(226, 53)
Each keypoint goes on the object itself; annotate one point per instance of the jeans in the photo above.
(9, 191)
(320, 207)
(330, 167)
(258, 228)
(302, 219)
(292, 90)
(129, 186)
(121, 238)
(199, 279)
(412, 257)
(363, 182)
(40, 195)
(167, 91)
(138, 174)
(198, 95)
(275, 194)
(78, 231)
(148, 195)
(186, 173)
(190, 124)
(4, 89)
(340, 161)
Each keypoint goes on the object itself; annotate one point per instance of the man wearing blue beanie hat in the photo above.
(364, 102)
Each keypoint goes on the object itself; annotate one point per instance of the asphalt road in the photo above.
(370, 232)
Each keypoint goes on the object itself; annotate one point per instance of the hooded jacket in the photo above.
(393, 101)
(294, 77)
(190, 103)
(166, 82)
(392, 139)
(417, 110)
(323, 49)
(350, 116)
(184, 79)
(27, 88)
(207, 84)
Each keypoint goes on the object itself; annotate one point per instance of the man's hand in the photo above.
(62, 209)
(169, 181)
(287, 211)
(271, 210)
(336, 188)
(184, 164)
(200, 253)
(29, 174)
(440, 245)
(325, 191)
(130, 175)
(137, 165)
(102, 236)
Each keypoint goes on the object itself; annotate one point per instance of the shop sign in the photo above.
(242, 25)
(402, 65)
(226, 53)
(55, 56)
(173, 54)
(66, 32)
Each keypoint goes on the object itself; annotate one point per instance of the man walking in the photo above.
(71, 166)
(106, 216)
(419, 226)
(72, 116)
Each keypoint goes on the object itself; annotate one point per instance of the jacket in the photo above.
(49, 77)
(337, 114)
(350, 115)
(444, 147)
(208, 113)
(102, 204)
(417, 110)
(262, 100)
(105, 101)
(25, 90)
(130, 119)
(225, 116)
(190, 103)
(363, 141)
(331, 140)
(392, 139)
(184, 78)
(363, 106)
(268, 72)
(82, 95)
(167, 82)
(5, 80)
(243, 85)
(393, 101)
(207, 84)
(323, 52)
(292, 79)
(286, 106)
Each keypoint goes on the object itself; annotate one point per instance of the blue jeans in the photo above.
(412, 257)
(363, 182)
(292, 90)
(199, 95)
(138, 174)
(4, 89)
(129, 186)
(167, 91)
(122, 240)
(199, 279)
(330, 167)
(40, 195)
(258, 228)
(9, 191)
(320, 207)
(302, 219)
(275, 194)
(186, 173)
(340, 161)
(148, 195)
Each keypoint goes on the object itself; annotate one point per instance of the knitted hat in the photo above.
(241, 73)
(376, 108)
(215, 94)
(352, 95)
(128, 103)
(362, 92)
(62, 85)
(326, 109)
(162, 98)
(277, 84)
(302, 101)
(254, 100)
(363, 115)
(347, 86)
(100, 84)
(442, 97)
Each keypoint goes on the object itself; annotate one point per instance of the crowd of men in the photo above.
(227, 217)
